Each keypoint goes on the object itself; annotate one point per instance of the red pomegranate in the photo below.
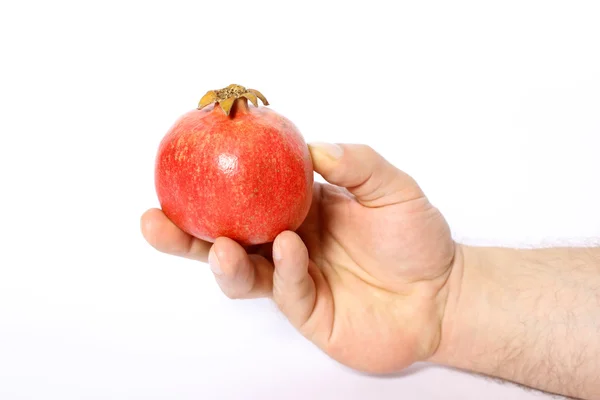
(232, 169)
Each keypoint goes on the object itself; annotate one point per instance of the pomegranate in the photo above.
(233, 169)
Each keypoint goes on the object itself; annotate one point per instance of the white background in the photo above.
(493, 106)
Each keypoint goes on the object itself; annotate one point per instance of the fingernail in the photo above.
(334, 151)
(276, 251)
(213, 262)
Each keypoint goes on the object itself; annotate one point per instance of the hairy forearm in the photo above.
(528, 316)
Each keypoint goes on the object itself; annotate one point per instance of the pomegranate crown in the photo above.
(227, 96)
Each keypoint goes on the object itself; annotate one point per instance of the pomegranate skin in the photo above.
(247, 176)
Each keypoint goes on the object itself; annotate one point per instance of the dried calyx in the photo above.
(226, 97)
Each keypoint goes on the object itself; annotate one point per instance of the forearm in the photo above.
(529, 316)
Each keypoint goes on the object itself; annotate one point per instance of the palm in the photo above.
(372, 259)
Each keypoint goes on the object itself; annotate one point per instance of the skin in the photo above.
(375, 280)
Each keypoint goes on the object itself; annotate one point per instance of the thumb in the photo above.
(364, 172)
(294, 290)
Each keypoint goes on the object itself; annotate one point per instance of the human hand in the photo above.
(365, 277)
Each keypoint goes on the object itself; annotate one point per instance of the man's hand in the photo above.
(364, 278)
(374, 278)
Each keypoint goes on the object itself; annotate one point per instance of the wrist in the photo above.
(446, 350)
(479, 305)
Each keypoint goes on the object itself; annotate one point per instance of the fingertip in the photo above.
(228, 258)
(213, 262)
(325, 155)
(147, 216)
(290, 255)
(287, 243)
(148, 223)
(276, 251)
(333, 151)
